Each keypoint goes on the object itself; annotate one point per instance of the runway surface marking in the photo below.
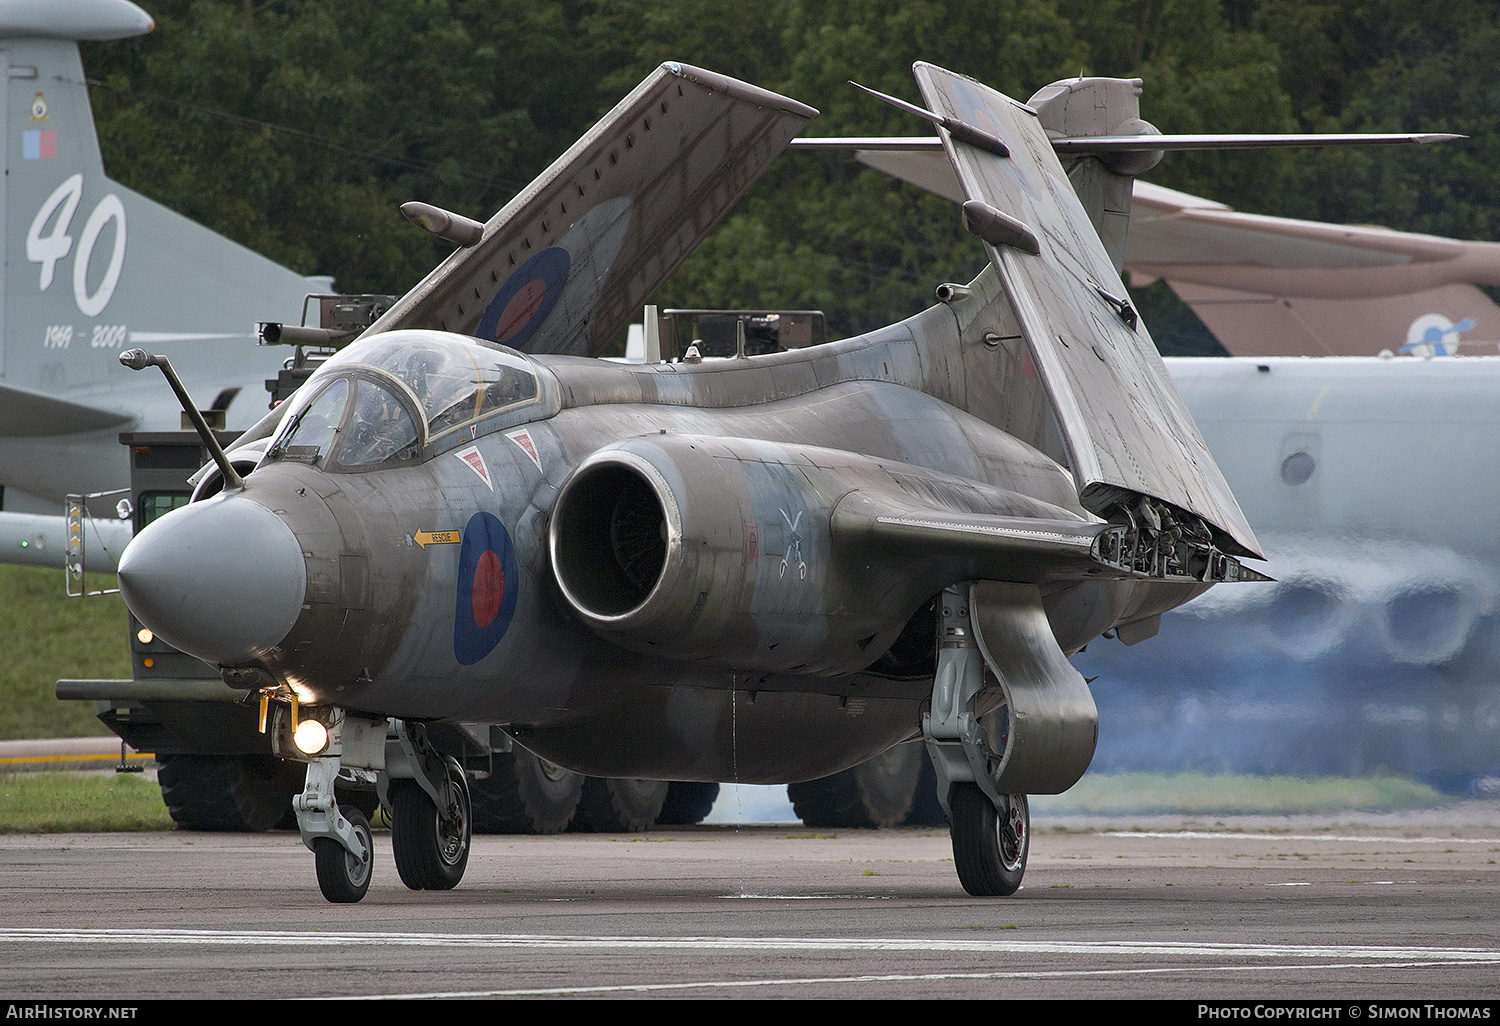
(1049, 974)
(1366, 954)
(1240, 836)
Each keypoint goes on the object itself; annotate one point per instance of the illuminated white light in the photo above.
(311, 737)
(144, 635)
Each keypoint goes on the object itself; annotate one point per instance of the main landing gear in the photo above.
(1009, 716)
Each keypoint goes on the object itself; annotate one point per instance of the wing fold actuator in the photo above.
(566, 264)
(1129, 436)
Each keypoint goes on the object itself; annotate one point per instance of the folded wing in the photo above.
(566, 264)
(1129, 436)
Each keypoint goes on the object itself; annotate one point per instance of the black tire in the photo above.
(989, 849)
(342, 878)
(525, 795)
(926, 810)
(619, 805)
(875, 794)
(431, 846)
(229, 792)
(688, 802)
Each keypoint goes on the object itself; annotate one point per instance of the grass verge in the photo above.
(62, 802)
(1202, 794)
(94, 802)
(50, 637)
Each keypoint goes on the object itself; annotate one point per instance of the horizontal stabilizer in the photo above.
(1081, 145)
(1133, 143)
(1127, 431)
(30, 414)
(566, 265)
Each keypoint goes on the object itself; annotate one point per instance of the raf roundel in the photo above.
(527, 297)
(488, 582)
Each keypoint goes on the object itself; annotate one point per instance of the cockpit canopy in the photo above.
(399, 395)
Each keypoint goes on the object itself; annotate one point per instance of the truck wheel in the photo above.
(612, 805)
(342, 877)
(688, 802)
(926, 810)
(431, 844)
(525, 795)
(228, 792)
(875, 794)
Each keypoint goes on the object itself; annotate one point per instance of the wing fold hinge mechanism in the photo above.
(1147, 538)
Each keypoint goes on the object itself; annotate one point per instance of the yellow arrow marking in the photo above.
(426, 538)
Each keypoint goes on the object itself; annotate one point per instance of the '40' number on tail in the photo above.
(48, 249)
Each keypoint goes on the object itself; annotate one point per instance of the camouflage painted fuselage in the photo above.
(432, 590)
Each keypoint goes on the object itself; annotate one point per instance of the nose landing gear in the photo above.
(426, 792)
(339, 838)
(343, 876)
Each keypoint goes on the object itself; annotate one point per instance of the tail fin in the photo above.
(93, 269)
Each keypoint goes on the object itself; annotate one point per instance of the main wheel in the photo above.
(615, 805)
(343, 877)
(877, 793)
(525, 794)
(431, 844)
(989, 847)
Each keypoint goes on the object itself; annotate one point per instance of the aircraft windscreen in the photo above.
(379, 429)
(314, 428)
(455, 380)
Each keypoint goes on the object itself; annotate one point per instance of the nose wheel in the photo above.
(343, 876)
(990, 841)
(431, 839)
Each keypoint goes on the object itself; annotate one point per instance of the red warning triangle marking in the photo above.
(523, 439)
(475, 463)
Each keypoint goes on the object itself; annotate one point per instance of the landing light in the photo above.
(311, 737)
(144, 635)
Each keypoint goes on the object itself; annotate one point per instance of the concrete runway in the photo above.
(1352, 909)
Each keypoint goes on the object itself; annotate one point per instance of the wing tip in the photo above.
(739, 90)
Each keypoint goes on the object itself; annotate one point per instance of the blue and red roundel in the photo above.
(526, 298)
(488, 582)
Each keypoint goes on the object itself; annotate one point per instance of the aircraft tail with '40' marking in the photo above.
(94, 268)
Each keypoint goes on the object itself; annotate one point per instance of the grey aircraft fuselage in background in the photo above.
(93, 268)
(764, 568)
(1369, 482)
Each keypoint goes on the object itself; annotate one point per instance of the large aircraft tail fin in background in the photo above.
(1128, 434)
(1276, 286)
(568, 263)
(93, 268)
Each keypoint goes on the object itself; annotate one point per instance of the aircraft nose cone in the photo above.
(222, 579)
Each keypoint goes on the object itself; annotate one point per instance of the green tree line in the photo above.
(297, 127)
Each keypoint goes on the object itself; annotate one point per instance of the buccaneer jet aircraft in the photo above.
(759, 569)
